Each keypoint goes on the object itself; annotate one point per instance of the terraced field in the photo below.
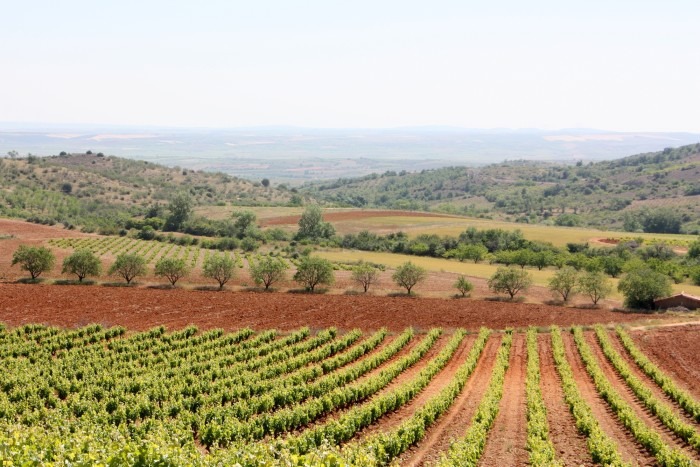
(107, 395)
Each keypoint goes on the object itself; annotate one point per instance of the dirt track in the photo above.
(142, 308)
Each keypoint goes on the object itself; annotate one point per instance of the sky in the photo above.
(615, 64)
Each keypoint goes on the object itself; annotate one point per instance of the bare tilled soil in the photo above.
(142, 308)
(676, 350)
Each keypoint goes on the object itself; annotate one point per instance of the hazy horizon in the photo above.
(621, 66)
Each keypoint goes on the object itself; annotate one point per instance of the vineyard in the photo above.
(100, 395)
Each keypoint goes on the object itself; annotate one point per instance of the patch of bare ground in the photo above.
(629, 449)
(455, 422)
(442, 379)
(676, 351)
(649, 383)
(626, 393)
(506, 442)
(140, 308)
(570, 445)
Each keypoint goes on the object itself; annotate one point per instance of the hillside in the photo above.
(95, 191)
(594, 194)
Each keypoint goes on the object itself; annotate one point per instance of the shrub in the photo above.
(641, 287)
(35, 260)
(510, 280)
(267, 271)
(82, 263)
(172, 269)
(408, 275)
(128, 266)
(219, 267)
(463, 285)
(313, 271)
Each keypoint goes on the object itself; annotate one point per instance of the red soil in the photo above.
(142, 308)
(676, 350)
(346, 216)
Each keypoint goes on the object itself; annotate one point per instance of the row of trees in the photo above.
(640, 287)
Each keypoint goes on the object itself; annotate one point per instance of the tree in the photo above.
(67, 188)
(82, 263)
(465, 251)
(312, 271)
(245, 221)
(662, 220)
(268, 270)
(34, 259)
(694, 249)
(408, 275)
(642, 286)
(510, 280)
(612, 265)
(463, 285)
(265, 182)
(564, 283)
(180, 208)
(595, 285)
(219, 267)
(365, 275)
(128, 266)
(172, 269)
(311, 224)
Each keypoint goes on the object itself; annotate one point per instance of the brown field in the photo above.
(347, 215)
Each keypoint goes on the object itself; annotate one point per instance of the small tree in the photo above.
(510, 280)
(595, 285)
(128, 266)
(311, 224)
(180, 208)
(564, 283)
(82, 263)
(408, 275)
(463, 285)
(313, 271)
(221, 268)
(642, 287)
(267, 271)
(34, 259)
(172, 269)
(365, 275)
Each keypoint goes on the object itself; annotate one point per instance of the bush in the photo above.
(219, 267)
(128, 266)
(82, 263)
(172, 269)
(313, 271)
(641, 287)
(365, 275)
(564, 283)
(408, 275)
(267, 271)
(510, 280)
(34, 260)
(463, 285)
(595, 285)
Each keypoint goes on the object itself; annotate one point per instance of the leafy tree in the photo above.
(595, 285)
(172, 269)
(694, 249)
(311, 224)
(542, 259)
(34, 259)
(662, 220)
(510, 280)
(245, 220)
(408, 275)
(564, 283)
(268, 270)
(180, 208)
(265, 182)
(67, 188)
(219, 267)
(82, 263)
(523, 258)
(365, 275)
(128, 266)
(641, 287)
(695, 275)
(313, 271)
(471, 252)
(612, 265)
(463, 285)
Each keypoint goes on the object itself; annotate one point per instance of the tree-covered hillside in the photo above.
(99, 193)
(634, 192)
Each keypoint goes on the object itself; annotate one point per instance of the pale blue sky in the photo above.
(618, 65)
